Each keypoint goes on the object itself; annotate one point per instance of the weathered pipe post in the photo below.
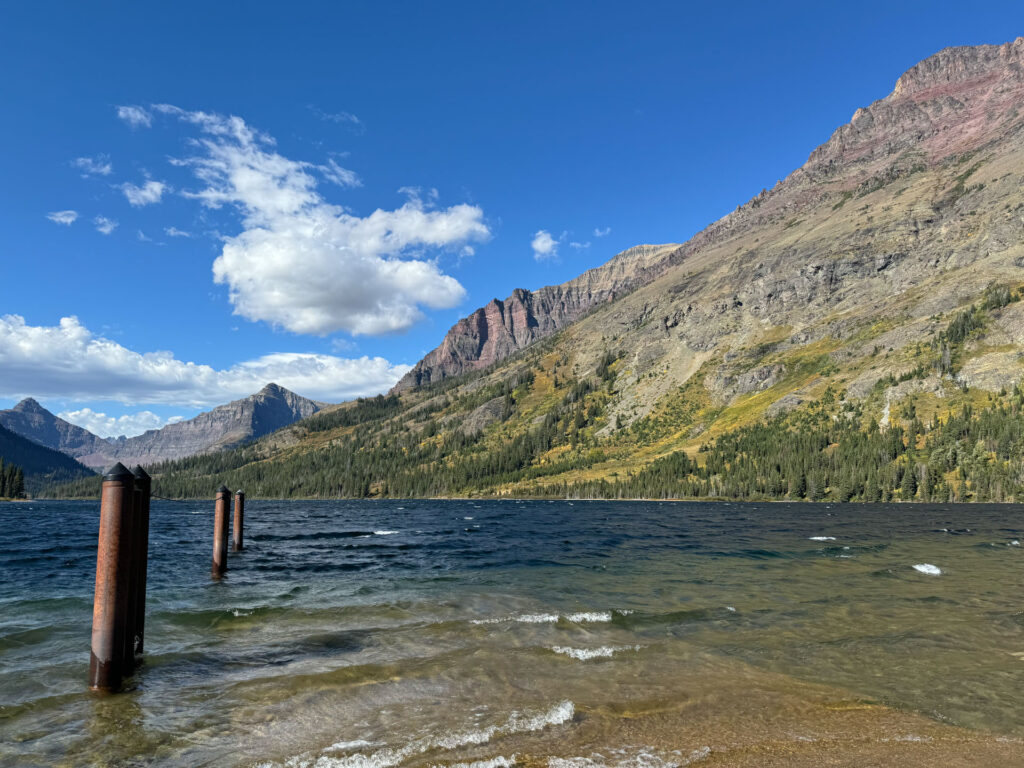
(220, 532)
(128, 545)
(239, 520)
(143, 488)
(110, 604)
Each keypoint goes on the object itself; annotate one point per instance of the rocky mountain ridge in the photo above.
(30, 420)
(878, 285)
(501, 328)
(228, 425)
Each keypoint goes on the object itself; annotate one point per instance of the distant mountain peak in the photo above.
(29, 405)
(272, 389)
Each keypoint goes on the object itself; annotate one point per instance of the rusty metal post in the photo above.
(220, 532)
(110, 603)
(143, 488)
(239, 520)
(128, 544)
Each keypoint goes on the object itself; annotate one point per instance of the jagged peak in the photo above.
(957, 64)
(274, 390)
(29, 405)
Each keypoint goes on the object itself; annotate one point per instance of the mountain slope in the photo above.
(872, 293)
(29, 419)
(42, 466)
(225, 426)
(492, 333)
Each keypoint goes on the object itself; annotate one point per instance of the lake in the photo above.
(369, 634)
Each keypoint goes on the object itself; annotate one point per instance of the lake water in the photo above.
(564, 634)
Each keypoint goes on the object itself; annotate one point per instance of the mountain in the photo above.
(42, 466)
(856, 331)
(492, 333)
(225, 426)
(29, 419)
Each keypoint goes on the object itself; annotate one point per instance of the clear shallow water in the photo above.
(362, 634)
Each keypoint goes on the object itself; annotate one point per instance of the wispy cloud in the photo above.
(135, 116)
(71, 362)
(149, 193)
(175, 232)
(598, 232)
(340, 118)
(578, 246)
(67, 218)
(306, 265)
(343, 177)
(99, 165)
(104, 225)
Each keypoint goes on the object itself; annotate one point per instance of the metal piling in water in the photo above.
(220, 532)
(113, 577)
(239, 520)
(143, 489)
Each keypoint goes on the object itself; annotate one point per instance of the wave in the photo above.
(633, 757)
(821, 538)
(581, 617)
(517, 722)
(928, 568)
(586, 654)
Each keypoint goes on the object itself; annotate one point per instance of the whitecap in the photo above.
(351, 745)
(632, 757)
(494, 762)
(585, 654)
(730, 608)
(1015, 543)
(384, 533)
(928, 568)
(392, 756)
(467, 518)
(589, 616)
(822, 538)
(536, 618)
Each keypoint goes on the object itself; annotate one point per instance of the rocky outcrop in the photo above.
(501, 328)
(30, 420)
(225, 426)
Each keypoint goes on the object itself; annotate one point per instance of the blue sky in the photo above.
(314, 192)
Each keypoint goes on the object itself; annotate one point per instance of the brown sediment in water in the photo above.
(759, 720)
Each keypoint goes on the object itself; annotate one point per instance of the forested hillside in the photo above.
(853, 332)
(40, 466)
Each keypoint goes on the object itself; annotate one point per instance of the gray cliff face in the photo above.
(30, 420)
(225, 426)
(501, 328)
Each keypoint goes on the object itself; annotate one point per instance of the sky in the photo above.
(199, 198)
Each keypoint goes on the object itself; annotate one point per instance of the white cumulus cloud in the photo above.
(71, 362)
(544, 245)
(308, 266)
(93, 166)
(598, 232)
(135, 116)
(67, 218)
(104, 225)
(148, 193)
(129, 425)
